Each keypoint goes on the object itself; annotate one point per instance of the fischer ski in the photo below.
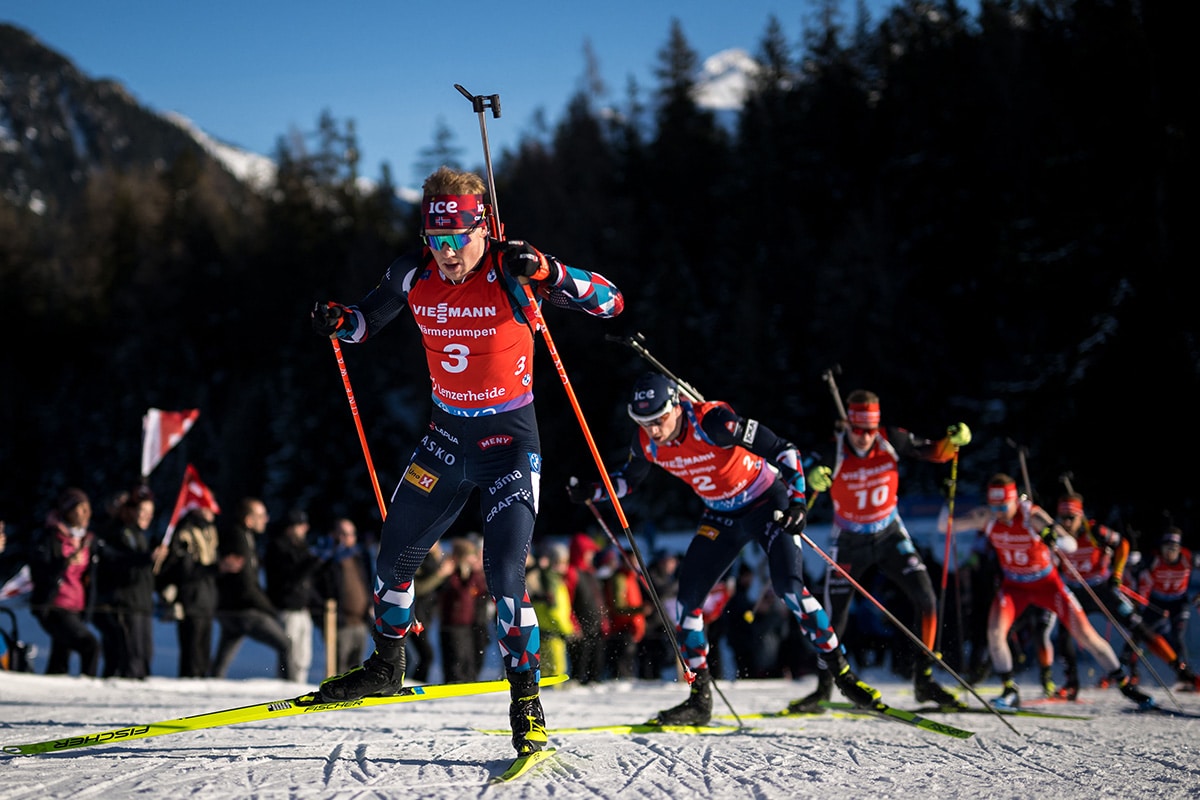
(884, 711)
(286, 707)
(522, 764)
(642, 727)
(1163, 710)
(856, 713)
(1008, 712)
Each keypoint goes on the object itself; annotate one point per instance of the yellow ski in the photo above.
(287, 707)
(523, 764)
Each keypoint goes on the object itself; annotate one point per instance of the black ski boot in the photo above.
(855, 690)
(1190, 682)
(525, 713)
(696, 710)
(1049, 689)
(811, 703)
(1129, 688)
(927, 690)
(380, 675)
(1010, 698)
(1069, 690)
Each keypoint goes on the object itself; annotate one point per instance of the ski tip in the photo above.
(522, 764)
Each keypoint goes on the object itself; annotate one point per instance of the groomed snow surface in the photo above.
(437, 749)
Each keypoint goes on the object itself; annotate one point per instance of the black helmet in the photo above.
(654, 394)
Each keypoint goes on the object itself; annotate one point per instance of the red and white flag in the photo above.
(192, 494)
(18, 585)
(162, 430)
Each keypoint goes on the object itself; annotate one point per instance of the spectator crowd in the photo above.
(100, 584)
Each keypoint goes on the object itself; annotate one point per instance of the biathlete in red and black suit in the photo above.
(868, 532)
(467, 298)
(1165, 581)
(752, 486)
(1025, 538)
(1099, 560)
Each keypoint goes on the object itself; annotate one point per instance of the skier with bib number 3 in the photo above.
(752, 486)
(466, 295)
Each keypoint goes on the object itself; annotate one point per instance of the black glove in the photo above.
(580, 492)
(523, 260)
(795, 518)
(332, 318)
(1049, 536)
(1114, 582)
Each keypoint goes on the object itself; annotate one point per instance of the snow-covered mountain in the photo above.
(258, 171)
(57, 125)
(722, 86)
(725, 80)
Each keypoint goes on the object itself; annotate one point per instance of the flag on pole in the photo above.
(162, 430)
(18, 585)
(192, 494)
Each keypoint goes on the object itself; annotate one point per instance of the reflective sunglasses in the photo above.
(863, 431)
(455, 241)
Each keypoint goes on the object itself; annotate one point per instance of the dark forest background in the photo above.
(981, 218)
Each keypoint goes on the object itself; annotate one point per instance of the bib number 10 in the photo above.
(876, 496)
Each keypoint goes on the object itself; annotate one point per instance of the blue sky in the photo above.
(249, 72)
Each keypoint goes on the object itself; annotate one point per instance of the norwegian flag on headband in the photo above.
(162, 430)
(192, 494)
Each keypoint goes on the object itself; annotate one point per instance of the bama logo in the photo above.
(494, 441)
(421, 478)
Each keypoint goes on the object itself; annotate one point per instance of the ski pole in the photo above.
(1021, 451)
(1140, 599)
(827, 376)
(538, 323)
(635, 342)
(899, 625)
(362, 437)
(950, 550)
(611, 537)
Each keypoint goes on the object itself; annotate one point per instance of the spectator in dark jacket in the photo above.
(346, 578)
(61, 569)
(461, 596)
(187, 581)
(243, 606)
(125, 588)
(586, 652)
(291, 565)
